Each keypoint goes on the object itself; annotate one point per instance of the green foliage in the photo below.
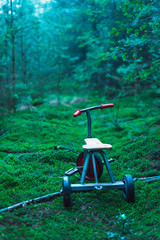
(111, 46)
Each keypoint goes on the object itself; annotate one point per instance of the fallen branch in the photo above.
(59, 147)
(44, 198)
(147, 179)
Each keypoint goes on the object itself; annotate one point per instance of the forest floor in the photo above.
(38, 145)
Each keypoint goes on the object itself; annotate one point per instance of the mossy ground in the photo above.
(32, 164)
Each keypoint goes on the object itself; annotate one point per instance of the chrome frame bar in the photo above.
(97, 186)
(107, 166)
(94, 168)
(85, 167)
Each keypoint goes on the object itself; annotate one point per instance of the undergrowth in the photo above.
(38, 145)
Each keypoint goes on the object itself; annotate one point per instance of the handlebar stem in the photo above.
(89, 123)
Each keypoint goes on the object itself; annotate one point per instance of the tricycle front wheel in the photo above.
(90, 171)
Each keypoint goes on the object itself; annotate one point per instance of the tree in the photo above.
(136, 44)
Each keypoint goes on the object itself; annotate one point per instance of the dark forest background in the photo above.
(57, 56)
(110, 47)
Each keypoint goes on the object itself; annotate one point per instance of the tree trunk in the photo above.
(6, 84)
(13, 59)
(58, 84)
(23, 58)
(136, 78)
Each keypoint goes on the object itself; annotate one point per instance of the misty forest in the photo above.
(57, 57)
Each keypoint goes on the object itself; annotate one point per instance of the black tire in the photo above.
(90, 171)
(128, 192)
(66, 187)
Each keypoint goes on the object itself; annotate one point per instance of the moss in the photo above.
(42, 143)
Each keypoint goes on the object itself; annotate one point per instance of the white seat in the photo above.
(95, 144)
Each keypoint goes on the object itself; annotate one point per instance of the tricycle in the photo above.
(90, 166)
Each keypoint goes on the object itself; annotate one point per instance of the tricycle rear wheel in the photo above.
(128, 192)
(66, 188)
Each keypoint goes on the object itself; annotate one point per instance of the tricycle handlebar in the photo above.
(109, 105)
(78, 112)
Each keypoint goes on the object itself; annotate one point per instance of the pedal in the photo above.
(111, 160)
(71, 171)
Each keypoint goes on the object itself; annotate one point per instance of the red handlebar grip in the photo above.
(107, 105)
(77, 113)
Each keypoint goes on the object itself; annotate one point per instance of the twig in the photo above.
(4, 134)
(84, 202)
(66, 148)
(77, 176)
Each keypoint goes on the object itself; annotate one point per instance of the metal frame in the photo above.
(98, 186)
(85, 167)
